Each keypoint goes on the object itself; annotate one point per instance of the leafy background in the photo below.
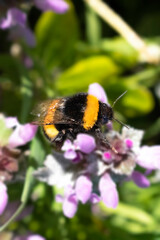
(72, 51)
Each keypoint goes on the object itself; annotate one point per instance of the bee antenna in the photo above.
(120, 122)
(118, 99)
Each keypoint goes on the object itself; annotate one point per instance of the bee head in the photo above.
(105, 113)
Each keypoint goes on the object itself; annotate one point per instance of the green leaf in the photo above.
(147, 77)
(154, 130)
(121, 51)
(86, 71)
(138, 101)
(56, 37)
(27, 93)
(133, 218)
(9, 67)
(37, 150)
(93, 27)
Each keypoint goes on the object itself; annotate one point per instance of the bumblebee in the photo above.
(63, 118)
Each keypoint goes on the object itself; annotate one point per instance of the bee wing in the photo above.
(42, 110)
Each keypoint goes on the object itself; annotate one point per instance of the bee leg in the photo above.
(103, 140)
(70, 134)
(59, 139)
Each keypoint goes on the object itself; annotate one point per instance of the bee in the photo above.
(64, 118)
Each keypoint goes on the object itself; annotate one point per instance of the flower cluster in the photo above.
(12, 135)
(88, 171)
(16, 19)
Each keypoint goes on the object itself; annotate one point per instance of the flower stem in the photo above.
(24, 197)
(147, 53)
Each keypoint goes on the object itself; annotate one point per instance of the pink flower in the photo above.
(96, 90)
(108, 191)
(29, 237)
(149, 157)
(16, 21)
(58, 6)
(83, 189)
(82, 192)
(22, 133)
(14, 17)
(83, 143)
(24, 33)
(3, 198)
(70, 205)
(9, 139)
(140, 179)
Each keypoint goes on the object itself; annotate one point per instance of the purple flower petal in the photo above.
(69, 191)
(70, 205)
(35, 237)
(67, 145)
(14, 17)
(58, 6)
(140, 179)
(94, 198)
(149, 157)
(22, 134)
(107, 157)
(129, 143)
(24, 33)
(3, 198)
(96, 90)
(83, 189)
(11, 122)
(108, 191)
(78, 158)
(85, 143)
(29, 237)
(59, 198)
(70, 154)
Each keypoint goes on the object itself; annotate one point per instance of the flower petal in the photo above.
(57, 171)
(129, 143)
(85, 143)
(3, 198)
(83, 189)
(70, 205)
(14, 17)
(24, 33)
(35, 237)
(29, 237)
(107, 157)
(97, 90)
(135, 136)
(11, 122)
(94, 198)
(149, 157)
(67, 145)
(108, 191)
(140, 179)
(70, 154)
(59, 198)
(58, 6)
(22, 134)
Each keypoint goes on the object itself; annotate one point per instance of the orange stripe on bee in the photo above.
(50, 129)
(91, 112)
(49, 118)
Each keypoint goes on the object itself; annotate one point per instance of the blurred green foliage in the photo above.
(70, 54)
